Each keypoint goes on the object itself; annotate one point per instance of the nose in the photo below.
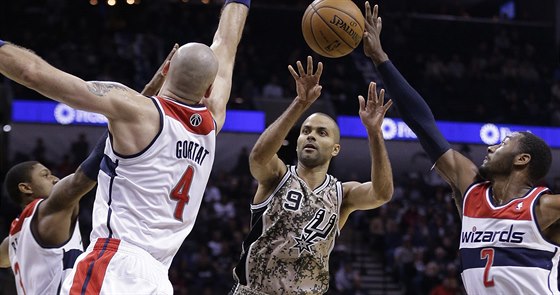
(491, 148)
(55, 179)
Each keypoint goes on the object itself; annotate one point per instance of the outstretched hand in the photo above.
(152, 88)
(373, 111)
(371, 38)
(307, 82)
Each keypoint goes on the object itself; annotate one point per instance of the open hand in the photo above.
(371, 38)
(307, 82)
(373, 111)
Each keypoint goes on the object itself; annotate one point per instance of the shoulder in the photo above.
(27, 212)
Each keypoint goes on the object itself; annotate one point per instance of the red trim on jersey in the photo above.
(91, 270)
(183, 114)
(27, 212)
(478, 205)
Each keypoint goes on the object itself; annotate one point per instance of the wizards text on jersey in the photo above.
(508, 235)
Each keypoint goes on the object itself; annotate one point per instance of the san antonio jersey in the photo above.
(292, 234)
(502, 250)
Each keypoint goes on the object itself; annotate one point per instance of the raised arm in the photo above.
(369, 195)
(113, 100)
(265, 165)
(58, 212)
(225, 44)
(456, 169)
(153, 87)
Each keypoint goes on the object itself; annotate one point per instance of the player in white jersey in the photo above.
(298, 211)
(510, 226)
(45, 239)
(160, 153)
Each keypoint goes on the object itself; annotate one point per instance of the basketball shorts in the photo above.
(112, 266)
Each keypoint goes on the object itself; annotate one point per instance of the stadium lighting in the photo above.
(111, 2)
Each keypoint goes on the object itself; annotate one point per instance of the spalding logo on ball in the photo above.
(332, 28)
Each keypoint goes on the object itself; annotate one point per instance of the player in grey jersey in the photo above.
(298, 211)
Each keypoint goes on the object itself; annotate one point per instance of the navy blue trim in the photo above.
(69, 258)
(257, 229)
(110, 168)
(90, 268)
(38, 240)
(507, 256)
(536, 221)
(149, 145)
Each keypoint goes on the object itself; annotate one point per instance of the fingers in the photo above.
(368, 12)
(388, 104)
(375, 11)
(172, 52)
(372, 93)
(300, 68)
(362, 102)
(309, 65)
(293, 72)
(319, 71)
(379, 24)
(381, 97)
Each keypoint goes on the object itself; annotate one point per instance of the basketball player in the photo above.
(510, 230)
(298, 211)
(158, 156)
(45, 239)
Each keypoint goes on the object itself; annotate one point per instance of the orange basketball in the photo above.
(333, 28)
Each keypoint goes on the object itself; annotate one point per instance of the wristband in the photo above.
(90, 166)
(2, 43)
(244, 2)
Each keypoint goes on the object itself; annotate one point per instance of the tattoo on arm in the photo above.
(102, 88)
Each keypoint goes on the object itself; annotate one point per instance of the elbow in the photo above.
(385, 194)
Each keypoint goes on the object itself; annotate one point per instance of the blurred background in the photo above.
(487, 62)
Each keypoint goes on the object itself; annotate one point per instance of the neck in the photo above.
(509, 188)
(313, 176)
(173, 96)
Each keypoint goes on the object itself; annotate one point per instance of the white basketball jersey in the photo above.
(502, 250)
(151, 199)
(38, 269)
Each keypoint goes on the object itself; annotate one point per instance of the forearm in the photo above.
(272, 138)
(224, 45)
(381, 171)
(4, 253)
(19, 64)
(414, 110)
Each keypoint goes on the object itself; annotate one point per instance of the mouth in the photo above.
(309, 146)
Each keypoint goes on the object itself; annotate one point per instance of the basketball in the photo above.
(332, 28)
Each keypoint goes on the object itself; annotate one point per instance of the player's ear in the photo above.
(336, 150)
(25, 188)
(522, 159)
(208, 91)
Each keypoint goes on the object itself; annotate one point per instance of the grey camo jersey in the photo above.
(292, 235)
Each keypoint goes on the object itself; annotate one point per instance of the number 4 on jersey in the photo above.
(181, 192)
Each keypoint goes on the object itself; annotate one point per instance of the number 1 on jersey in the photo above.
(488, 254)
(181, 192)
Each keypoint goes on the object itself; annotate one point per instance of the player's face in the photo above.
(42, 181)
(500, 158)
(316, 142)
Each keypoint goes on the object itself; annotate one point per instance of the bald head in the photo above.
(192, 71)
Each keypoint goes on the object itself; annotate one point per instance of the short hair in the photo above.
(16, 175)
(541, 155)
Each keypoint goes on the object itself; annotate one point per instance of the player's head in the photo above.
(318, 140)
(29, 180)
(520, 151)
(191, 72)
